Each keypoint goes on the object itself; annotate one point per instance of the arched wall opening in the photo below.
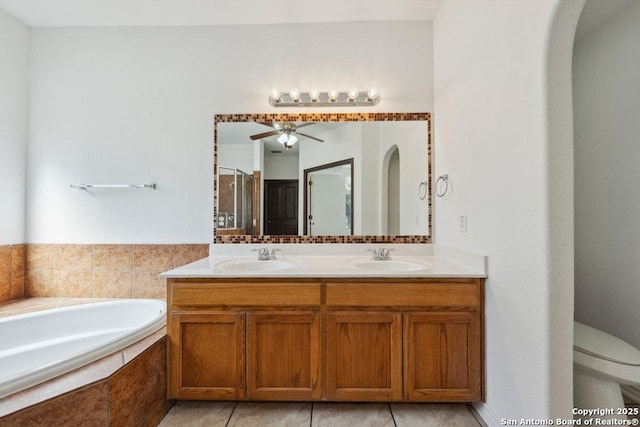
(390, 199)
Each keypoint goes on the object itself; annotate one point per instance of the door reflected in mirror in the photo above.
(363, 169)
(328, 199)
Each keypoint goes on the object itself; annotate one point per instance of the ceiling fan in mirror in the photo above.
(287, 131)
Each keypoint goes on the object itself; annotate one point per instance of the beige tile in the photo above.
(149, 285)
(138, 391)
(67, 302)
(17, 271)
(73, 257)
(39, 257)
(152, 258)
(433, 414)
(84, 407)
(134, 350)
(113, 257)
(39, 283)
(249, 414)
(185, 254)
(18, 257)
(28, 305)
(112, 284)
(17, 285)
(352, 414)
(95, 371)
(5, 286)
(198, 414)
(76, 284)
(5, 259)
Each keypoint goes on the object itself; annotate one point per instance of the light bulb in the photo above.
(294, 94)
(352, 94)
(333, 95)
(275, 94)
(373, 93)
(282, 139)
(292, 140)
(314, 94)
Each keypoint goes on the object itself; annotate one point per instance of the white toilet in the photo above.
(601, 362)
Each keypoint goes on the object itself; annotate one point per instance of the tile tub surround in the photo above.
(249, 414)
(12, 272)
(103, 270)
(125, 388)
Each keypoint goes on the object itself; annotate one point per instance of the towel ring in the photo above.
(445, 179)
(422, 190)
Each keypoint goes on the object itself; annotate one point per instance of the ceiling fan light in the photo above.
(333, 95)
(292, 140)
(314, 94)
(275, 94)
(294, 94)
(372, 93)
(352, 94)
(282, 139)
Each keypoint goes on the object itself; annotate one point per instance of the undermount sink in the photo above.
(390, 265)
(253, 265)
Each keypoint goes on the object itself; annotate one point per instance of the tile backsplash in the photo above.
(103, 270)
(12, 272)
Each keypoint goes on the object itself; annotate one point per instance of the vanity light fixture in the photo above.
(332, 98)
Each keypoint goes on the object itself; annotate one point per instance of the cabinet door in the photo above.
(364, 356)
(207, 355)
(283, 356)
(443, 354)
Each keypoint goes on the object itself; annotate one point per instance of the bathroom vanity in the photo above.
(334, 328)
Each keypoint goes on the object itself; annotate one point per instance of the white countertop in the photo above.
(295, 260)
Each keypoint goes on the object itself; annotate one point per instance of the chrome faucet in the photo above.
(381, 254)
(266, 254)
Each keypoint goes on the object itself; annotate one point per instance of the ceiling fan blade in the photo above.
(309, 136)
(270, 124)
(301, 125)
(263, 135)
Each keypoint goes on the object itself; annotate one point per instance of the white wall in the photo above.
(14, 88)
(606, 72)
(135, 105)
(237, 156)
(493, 138)
(338, 145)
(281, 167)
(410, 139)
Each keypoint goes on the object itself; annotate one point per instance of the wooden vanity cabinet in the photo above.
(414, 339)
(232, 340)
(364, 356)
(425, 337)
(207, 351)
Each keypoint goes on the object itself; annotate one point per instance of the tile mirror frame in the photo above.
(321, 117)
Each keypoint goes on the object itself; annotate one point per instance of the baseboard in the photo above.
(632, 393)
(488, 416)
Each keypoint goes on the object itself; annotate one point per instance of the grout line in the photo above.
(476, 415)
(231, 414)
(395, 423)
(311, 416)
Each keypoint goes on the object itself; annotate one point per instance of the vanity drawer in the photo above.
(465, 296)
(245, 294)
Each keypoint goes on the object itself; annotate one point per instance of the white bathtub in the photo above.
(38, 346)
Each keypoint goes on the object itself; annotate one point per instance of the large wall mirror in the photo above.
(322, 178)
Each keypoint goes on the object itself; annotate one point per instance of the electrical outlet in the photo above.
(462, 223)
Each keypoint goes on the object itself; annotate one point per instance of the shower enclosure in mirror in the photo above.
(366, 169)
(235, 202)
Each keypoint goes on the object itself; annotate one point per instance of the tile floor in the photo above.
(250, 414)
